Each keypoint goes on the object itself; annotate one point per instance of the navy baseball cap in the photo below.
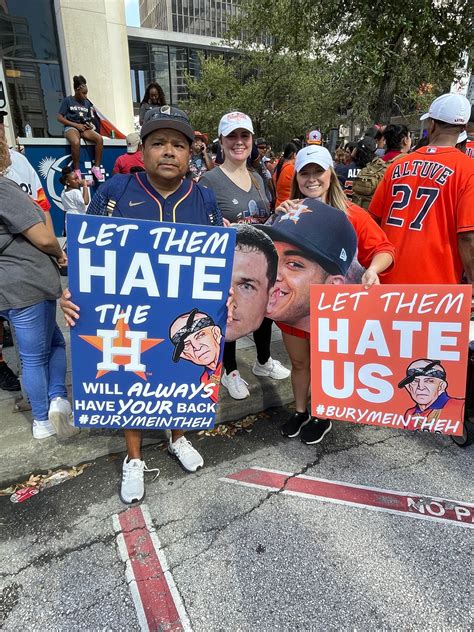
(323, 233)
(167, 117)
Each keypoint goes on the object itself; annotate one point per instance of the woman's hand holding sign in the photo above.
(382, 261)
(370, 278)
(287, 206)
(70, 310)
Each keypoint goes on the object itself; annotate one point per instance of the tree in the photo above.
(379, 51)
(283, 94)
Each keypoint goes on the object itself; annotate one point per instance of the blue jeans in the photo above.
(42, 353)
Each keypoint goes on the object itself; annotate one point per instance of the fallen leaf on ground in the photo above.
(43, 481)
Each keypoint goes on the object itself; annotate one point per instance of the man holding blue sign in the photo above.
(160, 193)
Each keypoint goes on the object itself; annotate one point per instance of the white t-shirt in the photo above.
(21, 172)
(73, 202)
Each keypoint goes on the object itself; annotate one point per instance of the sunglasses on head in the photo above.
(166, 110)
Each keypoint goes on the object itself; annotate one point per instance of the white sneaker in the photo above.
(60, 416)
(272, 368)
(188, 456)
(132, 489)
(43, 429)
(236, 386)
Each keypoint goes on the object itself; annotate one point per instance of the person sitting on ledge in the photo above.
(77, 115)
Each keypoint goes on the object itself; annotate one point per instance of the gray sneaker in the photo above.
(132, 488)
(186, 454)
(60, 417)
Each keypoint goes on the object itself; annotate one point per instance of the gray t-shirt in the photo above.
(27, 275)
(235, 203)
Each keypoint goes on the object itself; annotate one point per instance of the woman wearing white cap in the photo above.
(240, 195)
(315, 178)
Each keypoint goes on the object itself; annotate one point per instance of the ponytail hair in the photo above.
(78, 81)
(394, 136)
(290, 149)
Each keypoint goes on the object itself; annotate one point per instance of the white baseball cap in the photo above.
(133, 141)
(313, 137)
(450, 108)
(313, 154)
(234, 120)
(462, 137)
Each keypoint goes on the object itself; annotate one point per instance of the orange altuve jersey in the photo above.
(422, 203)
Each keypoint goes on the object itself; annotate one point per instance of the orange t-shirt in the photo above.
(424, 200)
(283, 184)
(371, 240)
(470, 148)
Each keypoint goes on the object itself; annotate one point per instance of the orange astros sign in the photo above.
(393, 356)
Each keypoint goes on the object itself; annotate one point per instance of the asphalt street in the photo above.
(245, 558)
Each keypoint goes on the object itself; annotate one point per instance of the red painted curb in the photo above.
(412, 505)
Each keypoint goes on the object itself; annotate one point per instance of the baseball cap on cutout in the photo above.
(234, 120)
(323, 233)
(313, 155)
(133, 140)
(313, 137)
(167, 117)
(450, 108)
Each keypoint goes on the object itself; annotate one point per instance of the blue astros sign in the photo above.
(147, 348)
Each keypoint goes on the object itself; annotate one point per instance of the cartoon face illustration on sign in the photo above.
(196, 338)
(426, 384)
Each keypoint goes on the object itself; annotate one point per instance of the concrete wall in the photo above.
(93, 42)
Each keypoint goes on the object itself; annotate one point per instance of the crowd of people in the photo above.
(403, 215)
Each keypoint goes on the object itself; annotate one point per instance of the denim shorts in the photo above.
(69, 127)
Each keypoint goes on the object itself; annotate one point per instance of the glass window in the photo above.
(35, 92)
(139, 69)
(179, 66)
(27, 43)
(27, 30)
(194, 63)
(160, 68)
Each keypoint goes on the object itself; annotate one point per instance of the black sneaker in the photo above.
(7, 337)
(8, 380)
(315, 431)
(294, 424)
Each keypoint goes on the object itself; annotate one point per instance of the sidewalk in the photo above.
(22, 455)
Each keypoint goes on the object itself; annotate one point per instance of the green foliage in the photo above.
(378, 51)
(319, 57)
(281, 93)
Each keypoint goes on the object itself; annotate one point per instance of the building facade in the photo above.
(43, 44)
(209, 18)
(31, 65)
(167, 58)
